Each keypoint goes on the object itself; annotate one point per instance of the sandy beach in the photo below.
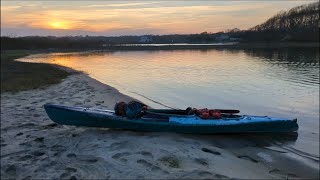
(33, 147)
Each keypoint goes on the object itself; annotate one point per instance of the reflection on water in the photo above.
(299, 62)
(279, 82)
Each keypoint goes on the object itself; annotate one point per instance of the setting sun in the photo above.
(58, 25)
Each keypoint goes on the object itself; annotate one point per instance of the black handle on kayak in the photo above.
(228, 111)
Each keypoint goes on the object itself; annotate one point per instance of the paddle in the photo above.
(185, 112)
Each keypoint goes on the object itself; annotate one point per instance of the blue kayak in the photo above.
(168, 121)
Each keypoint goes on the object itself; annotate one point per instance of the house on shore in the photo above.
(145, 39)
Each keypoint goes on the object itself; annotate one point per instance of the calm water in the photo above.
(283, 83)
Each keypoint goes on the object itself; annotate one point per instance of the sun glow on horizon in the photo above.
(59, 25)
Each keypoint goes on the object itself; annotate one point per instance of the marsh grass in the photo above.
(17, 76)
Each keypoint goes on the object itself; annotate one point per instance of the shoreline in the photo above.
(257, 45)
(43, 149)
(136, 47)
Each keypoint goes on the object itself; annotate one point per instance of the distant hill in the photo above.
(298, 24)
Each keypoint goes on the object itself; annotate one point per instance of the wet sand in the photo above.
(34, 147)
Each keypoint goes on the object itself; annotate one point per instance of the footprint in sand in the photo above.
(196, 174)
(50, 126)
(42, 146)
(71, 155)
(200, 174)
(140, 177)
(248, 158)
(220, 176)
(147, 164)
(68, 172)
(11, 170)
(144, 163)
(26, 144)
(89, 160)
(69, 169)
(39, 139)
(19, 134)
(118, 145)
(24, 158)
(210, 151)
(204, 173)
(201, 161)
(27, 178)
(26, 125)
(38, 153)
(282, 174)
(145, 153)
(57, 148)
(119, 156)
(36, 115)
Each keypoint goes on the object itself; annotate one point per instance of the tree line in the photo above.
(301, 18)
(298, 24)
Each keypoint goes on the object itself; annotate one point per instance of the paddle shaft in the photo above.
(228, 111)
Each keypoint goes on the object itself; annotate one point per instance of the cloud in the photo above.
(118, 5)
(29, 31)
(9, 8)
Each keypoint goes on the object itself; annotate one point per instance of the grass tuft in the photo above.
(18, 76)
(170, 161)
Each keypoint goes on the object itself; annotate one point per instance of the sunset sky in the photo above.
(113, 18)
